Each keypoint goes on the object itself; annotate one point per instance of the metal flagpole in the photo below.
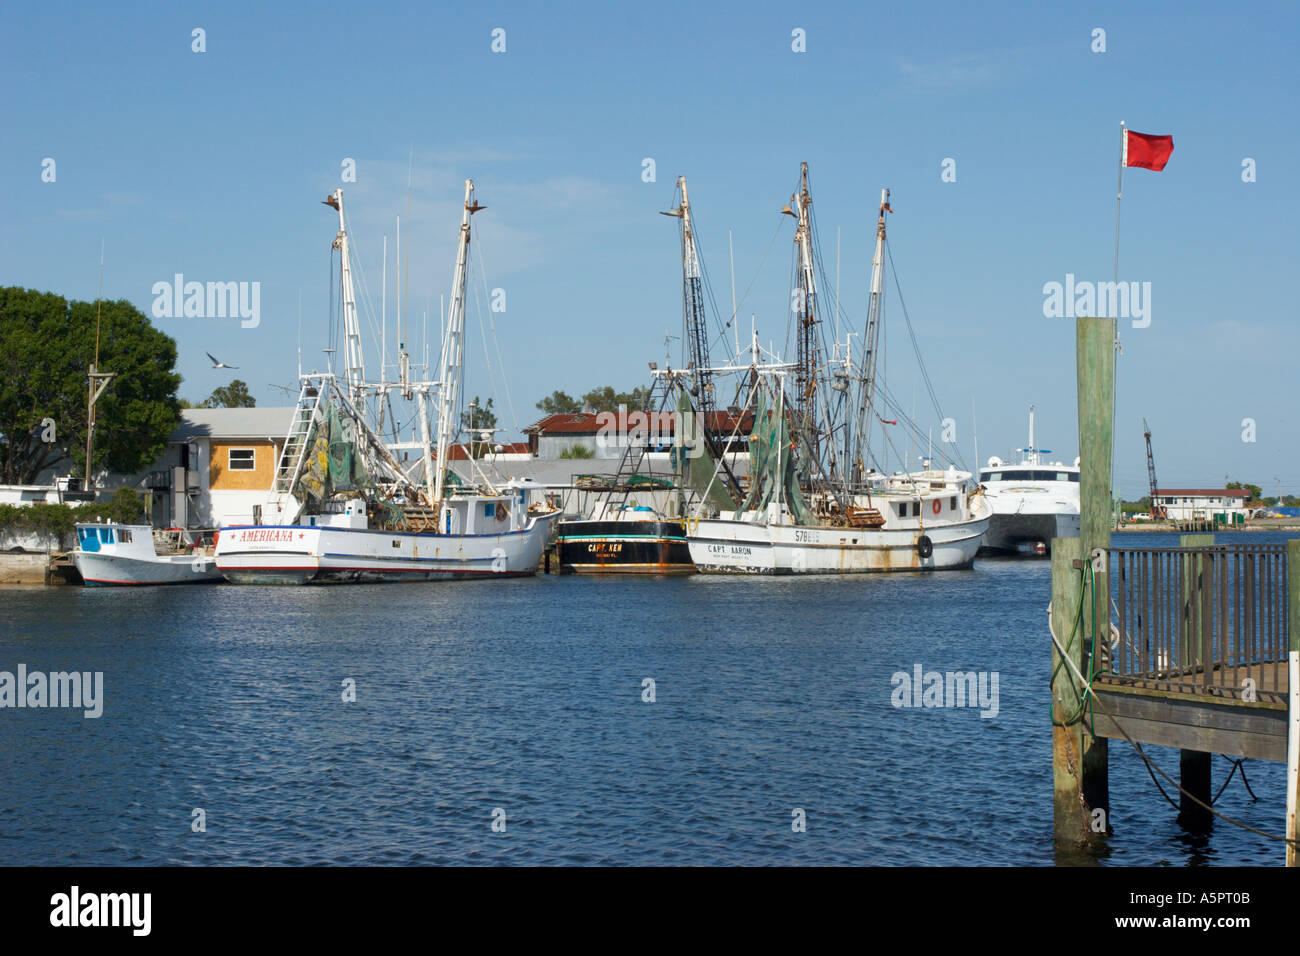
(1119, 195)
(1115, 349)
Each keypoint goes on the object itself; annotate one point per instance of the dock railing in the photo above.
(1209, 619)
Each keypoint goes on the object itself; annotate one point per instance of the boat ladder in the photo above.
(294, 454)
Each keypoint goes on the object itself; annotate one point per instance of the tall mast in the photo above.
(805, 309)
(356, 370)
(453, 346)
(867, 380)
(695, 332)
(695, 328)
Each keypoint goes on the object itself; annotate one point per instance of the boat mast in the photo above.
(867, 379)
(695, 331)
(805, 308)
(694, 321)
(453, 348)
(356, 368)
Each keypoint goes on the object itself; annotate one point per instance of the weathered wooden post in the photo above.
(1071, 814)
(1194, 765)
(1080, 760)
(1293, 687)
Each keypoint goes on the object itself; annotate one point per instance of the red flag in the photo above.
(1147, 151)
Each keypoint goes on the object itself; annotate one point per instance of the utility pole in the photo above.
(97, 381)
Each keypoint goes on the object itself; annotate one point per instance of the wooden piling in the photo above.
(1293, 717)
(1194, 766)
(1072, 815)
(1095, 380)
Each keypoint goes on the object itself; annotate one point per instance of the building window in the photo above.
(242, 459)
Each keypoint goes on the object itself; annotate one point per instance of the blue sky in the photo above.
(213, 165)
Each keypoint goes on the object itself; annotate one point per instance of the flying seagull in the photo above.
(217, 364)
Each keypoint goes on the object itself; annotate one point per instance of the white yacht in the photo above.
(1033, 501)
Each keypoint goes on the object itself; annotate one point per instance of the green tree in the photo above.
(601, 399)
(559, 403)
(1256, 492)
(234, 395)
(482, 415)
(605, 399)
(46, 347)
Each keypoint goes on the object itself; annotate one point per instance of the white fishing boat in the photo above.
(343, 509)
(813, 506)
(126, 554)
(1033, 501)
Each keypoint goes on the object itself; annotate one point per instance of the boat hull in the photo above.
(300, 554)
(722, 546)
(623, 547)
(1007, 532)
(115, 570)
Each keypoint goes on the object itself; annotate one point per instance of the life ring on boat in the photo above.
(924, 546)
(937, 506)
(502, 511)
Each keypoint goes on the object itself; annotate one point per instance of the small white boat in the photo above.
(122, 554)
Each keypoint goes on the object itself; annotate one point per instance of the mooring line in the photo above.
(1141, 753)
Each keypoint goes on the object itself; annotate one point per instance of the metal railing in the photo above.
(1204, 619)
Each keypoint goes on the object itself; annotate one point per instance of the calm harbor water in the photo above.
(770, 695)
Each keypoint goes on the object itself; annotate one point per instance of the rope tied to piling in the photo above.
(1086, 683)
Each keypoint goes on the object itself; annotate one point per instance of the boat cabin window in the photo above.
(242, 459)
(1027, 474)
(105, 535)
(952, 503)
(124, 535)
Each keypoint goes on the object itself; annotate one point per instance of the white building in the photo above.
(1225, 505)
(218, 466)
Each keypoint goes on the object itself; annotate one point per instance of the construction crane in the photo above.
(1157, 510)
